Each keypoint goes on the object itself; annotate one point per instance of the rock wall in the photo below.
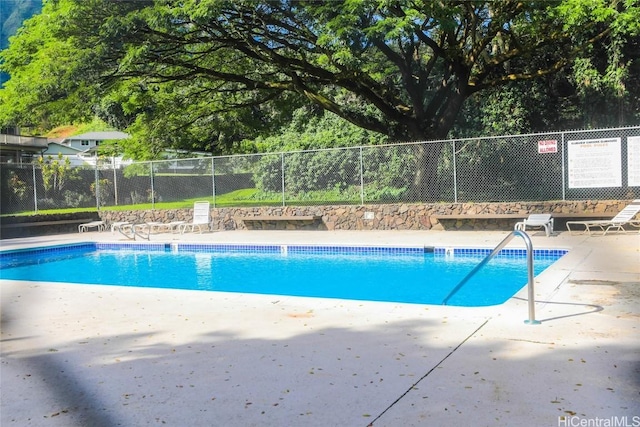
(42, 225)
(403, 216)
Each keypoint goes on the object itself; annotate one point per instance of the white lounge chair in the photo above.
(161, 227)
(537, 220)
(144, 229)
(172, 226)
(617, 223)
(116, 225)
(128, 229)
(201, 218)
(99, 225)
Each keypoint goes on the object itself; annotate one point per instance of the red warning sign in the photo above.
(548, 146)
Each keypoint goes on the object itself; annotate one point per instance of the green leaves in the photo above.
(56, 172)
(208, 74)
(44, 68)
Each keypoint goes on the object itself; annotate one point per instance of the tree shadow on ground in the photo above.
(180, 358)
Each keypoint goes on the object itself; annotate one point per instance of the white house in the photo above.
(73, 154)
(89, 140)
(81, 149)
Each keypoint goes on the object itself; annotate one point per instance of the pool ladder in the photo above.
(527, 241)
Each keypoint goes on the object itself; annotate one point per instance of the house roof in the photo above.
(99, 136)
(56, 147)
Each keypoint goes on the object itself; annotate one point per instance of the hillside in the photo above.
(12, 14)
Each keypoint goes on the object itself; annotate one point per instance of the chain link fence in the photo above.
(576, 165)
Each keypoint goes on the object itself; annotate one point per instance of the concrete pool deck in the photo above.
(114, 356)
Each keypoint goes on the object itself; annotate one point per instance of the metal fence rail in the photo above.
(591, 164)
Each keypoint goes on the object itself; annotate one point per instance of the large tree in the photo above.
(400, 68)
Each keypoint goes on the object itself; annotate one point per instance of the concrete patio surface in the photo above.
(76, 355)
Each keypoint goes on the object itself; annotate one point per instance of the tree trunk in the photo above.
(425, 183)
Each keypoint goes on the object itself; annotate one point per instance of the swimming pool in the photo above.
(423, 275)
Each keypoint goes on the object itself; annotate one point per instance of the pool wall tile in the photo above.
(48, 249)
(288, 249)
(354, 250)
(234, 248)
(299, 249)
(129, 246)
(504, 253)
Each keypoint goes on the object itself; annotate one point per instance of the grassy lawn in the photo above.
(248, 197)
(238, 198)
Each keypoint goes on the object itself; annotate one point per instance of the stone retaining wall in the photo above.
(28, 225)
(403, 216)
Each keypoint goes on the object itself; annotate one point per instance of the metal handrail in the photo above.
(527, 241)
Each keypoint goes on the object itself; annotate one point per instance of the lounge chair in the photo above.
(201, 218)
(99, 225)
(161, 227)
(537, 220)
(128, 229)
(617, 223)
(174, 226)
(117, 225)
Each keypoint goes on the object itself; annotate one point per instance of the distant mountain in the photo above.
(12, 14)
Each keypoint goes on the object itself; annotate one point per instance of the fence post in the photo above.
(361, 178)
(153, 193)
(564, 184)
(97, 183)
(35, 189)
(115, 180)
(213, 180)
(282, 175)
(455, 173)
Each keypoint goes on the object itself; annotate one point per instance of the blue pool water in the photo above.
(412, 275)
